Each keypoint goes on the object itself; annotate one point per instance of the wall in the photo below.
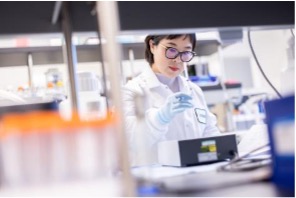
(270, 47)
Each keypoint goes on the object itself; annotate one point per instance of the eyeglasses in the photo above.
(172, 53)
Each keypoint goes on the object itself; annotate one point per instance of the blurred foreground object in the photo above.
(280, 117)
(41, 151)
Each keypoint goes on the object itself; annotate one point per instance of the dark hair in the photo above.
(157, 38)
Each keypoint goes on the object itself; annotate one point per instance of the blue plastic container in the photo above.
(280, 118)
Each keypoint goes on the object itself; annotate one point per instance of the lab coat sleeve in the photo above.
(150, 128)
(130, 118)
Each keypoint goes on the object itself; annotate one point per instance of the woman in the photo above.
(173, 107)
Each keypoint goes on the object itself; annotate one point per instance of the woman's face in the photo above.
(169, 67)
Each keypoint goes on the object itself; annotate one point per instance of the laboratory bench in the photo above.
(259, 189)
(252, 183)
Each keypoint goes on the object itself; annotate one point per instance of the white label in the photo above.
(284, 137)
(201, 115)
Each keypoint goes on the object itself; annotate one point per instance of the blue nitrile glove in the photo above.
(175, 103)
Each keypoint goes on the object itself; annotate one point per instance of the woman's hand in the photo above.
(175, 103)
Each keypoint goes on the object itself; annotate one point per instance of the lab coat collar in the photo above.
(150, 79)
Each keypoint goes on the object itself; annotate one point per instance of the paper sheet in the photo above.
(157, 171)
(255, 137)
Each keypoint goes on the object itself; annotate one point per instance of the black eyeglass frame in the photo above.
(179, 53)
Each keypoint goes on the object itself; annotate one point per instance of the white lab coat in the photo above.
(143, 136)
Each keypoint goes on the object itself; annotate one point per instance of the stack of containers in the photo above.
(91, 104)
(40, 148)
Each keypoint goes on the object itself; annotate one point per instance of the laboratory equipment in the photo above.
(53, 77)
(54, 84)
(197, 151)
(91, 104)
(199, 74)
(250, 112)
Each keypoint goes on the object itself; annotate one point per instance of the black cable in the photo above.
(233, 164)
(259, 66)
(292, 33)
